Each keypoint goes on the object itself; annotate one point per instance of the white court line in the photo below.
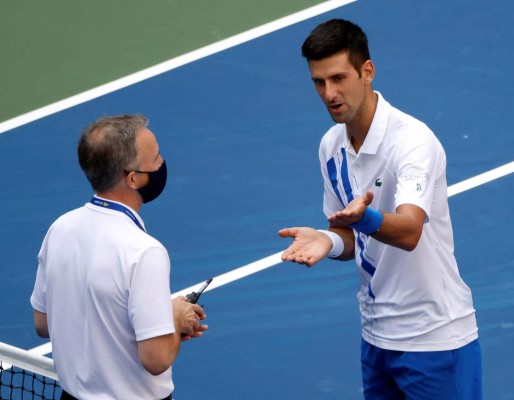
(275, 259)
(165, 67)
(235, 274)
(481, 179)
(172, 64)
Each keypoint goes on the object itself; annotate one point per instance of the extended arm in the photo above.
(401, 229)
(309, 245)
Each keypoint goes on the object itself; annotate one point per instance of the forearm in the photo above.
(397, 231)
(158, 353)
(402, 230)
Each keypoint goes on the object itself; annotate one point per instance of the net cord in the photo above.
(30, 362)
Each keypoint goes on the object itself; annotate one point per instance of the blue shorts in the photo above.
(442, 375)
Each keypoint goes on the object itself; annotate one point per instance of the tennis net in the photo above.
(25, 375)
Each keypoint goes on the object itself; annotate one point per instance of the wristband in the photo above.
(370, 222)
(337, 244)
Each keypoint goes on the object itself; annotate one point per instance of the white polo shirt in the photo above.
(104, 284)
(409, 301)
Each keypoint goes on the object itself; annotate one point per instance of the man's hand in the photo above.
(401, 229)
(187, 317)
(353, 213)
(309, 246)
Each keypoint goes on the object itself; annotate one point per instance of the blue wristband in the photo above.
(370, 222)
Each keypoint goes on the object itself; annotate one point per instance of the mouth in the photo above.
(335, 107)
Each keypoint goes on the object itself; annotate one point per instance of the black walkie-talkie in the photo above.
(194, 296)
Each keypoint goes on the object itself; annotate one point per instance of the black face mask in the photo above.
(155, 184)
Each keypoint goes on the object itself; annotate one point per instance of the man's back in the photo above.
(107, 287)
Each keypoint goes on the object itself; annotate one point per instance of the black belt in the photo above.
(67, 396)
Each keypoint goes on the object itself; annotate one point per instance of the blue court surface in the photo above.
(240, 131)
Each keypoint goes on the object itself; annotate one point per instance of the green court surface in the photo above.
(50, 50)
(240, 131)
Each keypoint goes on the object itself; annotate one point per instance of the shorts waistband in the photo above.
(67, 396)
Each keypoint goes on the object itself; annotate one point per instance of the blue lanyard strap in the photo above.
(117, 207)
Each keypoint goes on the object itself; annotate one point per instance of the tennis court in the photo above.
(239, 125)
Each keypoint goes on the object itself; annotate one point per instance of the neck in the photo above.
(358, 128)
(133, 200)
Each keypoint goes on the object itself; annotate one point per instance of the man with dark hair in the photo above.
(102, 291)
(385, 197)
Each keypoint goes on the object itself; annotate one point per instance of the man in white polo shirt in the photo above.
(102, 290)
(385, 198)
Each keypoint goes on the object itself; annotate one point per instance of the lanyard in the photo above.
(117, 207)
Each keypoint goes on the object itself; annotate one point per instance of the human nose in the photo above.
(330, 92)
(160, 161)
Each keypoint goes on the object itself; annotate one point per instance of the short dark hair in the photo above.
(334, 36)
(107, 147)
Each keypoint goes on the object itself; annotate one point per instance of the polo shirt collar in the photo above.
(113, 212)
(378, 127)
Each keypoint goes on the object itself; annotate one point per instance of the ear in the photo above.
(368, 72)
(131, 180)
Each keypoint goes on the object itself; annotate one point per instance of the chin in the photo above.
(339, 119)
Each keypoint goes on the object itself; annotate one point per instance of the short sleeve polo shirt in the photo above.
(105, 285)
(409, 301)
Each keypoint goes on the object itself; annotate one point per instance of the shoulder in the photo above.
(405, 132)
(139, 242)
(68, 218)
(332, 141)
(152, 243)
(402, 123)
(410, 142)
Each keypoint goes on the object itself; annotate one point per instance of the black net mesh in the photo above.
(20, 384)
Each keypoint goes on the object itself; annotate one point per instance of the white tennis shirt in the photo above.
(409, 301)
(104, 284)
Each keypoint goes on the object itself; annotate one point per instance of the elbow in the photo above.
(41, 324)
(158, 354)
(410, 243)
(408, 247)
(157, 367)
(43, 333)
(159, 363)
